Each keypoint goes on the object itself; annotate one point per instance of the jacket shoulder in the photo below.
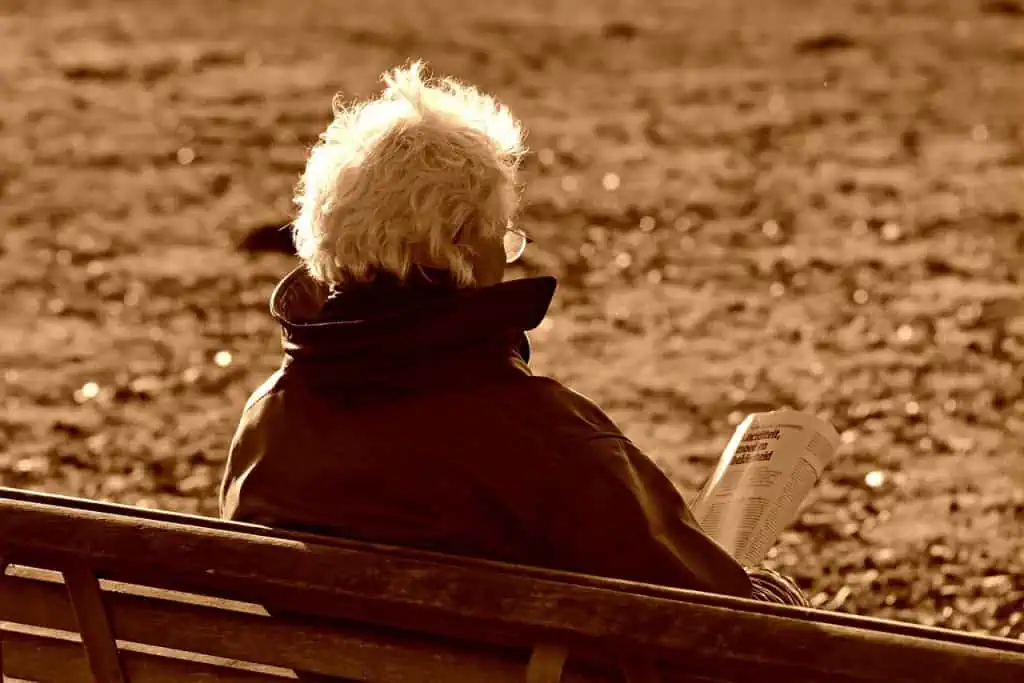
(564, 410)
(264, 390)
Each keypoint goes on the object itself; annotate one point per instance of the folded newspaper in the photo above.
(765, 473)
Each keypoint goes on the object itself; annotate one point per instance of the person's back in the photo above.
(422, 426)
(405, 412)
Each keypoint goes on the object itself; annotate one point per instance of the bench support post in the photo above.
(97, 636)
(546, 664)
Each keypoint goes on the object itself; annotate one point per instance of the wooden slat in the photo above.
(91, 617)
(726, 639)
(3, 572)
(639, 671)
(337, 650)
(887, 626)
(55, 660)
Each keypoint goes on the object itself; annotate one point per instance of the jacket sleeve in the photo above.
(245, 452)
(624, 518)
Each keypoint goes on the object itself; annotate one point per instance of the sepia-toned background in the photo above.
(748, 205)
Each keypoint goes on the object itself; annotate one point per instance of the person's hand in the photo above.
(769, 585)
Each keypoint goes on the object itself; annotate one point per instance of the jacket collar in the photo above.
(386, 322)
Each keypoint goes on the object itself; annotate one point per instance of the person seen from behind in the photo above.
(405, 411)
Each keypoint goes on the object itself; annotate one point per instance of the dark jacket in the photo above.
(407, 415)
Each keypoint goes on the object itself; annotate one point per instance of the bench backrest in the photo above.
(157, 597)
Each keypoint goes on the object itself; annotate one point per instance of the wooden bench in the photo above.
(160, 597)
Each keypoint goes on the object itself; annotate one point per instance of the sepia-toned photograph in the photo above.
(534, 341)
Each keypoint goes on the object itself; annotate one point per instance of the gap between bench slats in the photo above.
(369, 654)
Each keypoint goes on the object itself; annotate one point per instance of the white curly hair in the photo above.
(411, 178)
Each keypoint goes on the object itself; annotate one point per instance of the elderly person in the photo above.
(405, 412)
